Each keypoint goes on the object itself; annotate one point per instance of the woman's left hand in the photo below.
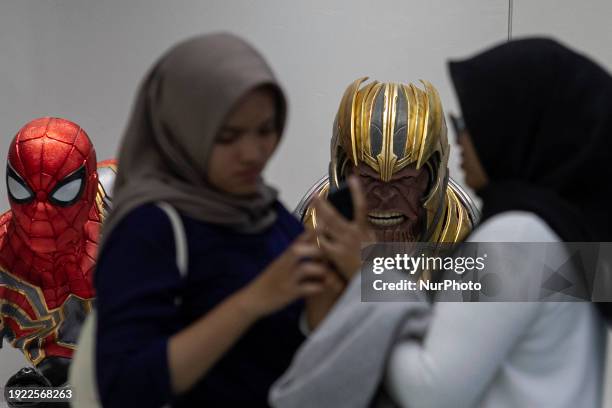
(341, 239)
(319, 304)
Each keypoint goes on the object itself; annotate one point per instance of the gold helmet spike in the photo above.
(436, 126)
(388, 126)
(346, 113)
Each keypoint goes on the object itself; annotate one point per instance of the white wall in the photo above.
(583, 25)
(83, 59)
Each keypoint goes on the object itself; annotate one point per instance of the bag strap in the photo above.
(82, 371)
(180, 238)
(180, 243)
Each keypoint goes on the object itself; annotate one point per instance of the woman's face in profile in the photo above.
(244, 144)
(475, 175)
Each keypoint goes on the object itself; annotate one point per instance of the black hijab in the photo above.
(540, 117)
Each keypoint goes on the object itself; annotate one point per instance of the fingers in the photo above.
(336, 225)
(330, 222)
(331, 247)
(312, 271)
(318, 279)
(307, 236)
(334, 282)
(328, 216)
(359, 203)
(335, 252)
(310, 289)
(360, 209)
(305, 253)
(345, 258)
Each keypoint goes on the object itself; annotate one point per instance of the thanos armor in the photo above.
(394, 137)
(59, 196)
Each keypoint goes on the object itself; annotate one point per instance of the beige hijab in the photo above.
(179, 109)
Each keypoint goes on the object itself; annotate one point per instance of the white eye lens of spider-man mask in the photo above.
(69, 190)
(17, 190)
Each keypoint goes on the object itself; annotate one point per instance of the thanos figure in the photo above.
(393, 136)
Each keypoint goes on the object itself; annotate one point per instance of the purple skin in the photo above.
(394, 207)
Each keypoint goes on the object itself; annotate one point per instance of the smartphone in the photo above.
(342, 200)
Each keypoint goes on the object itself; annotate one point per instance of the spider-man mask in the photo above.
(51, 182)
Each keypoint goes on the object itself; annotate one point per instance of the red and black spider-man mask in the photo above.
(51, 182)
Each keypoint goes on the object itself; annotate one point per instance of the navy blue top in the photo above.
(137, 282)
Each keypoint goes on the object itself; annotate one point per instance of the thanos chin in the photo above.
(393, 137)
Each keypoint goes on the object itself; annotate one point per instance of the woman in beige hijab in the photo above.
(190, 198)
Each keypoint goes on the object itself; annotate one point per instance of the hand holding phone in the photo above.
(341, 237)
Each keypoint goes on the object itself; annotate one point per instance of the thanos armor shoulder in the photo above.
(460, 215)
(305, 210)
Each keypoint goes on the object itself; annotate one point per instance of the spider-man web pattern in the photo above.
(49, 238)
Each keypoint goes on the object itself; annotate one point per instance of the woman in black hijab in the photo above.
(539, 117)
(536, 149)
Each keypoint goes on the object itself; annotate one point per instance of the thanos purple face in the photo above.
(395, 207)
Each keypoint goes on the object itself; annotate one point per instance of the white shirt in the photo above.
(504, 354)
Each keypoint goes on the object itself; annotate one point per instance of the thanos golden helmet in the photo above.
(393, 136)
